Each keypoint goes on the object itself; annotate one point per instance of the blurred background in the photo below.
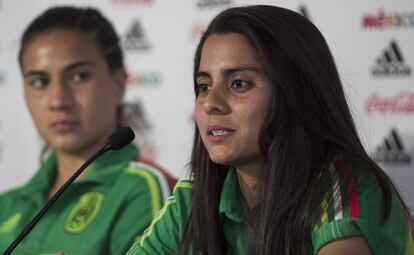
(371, 40)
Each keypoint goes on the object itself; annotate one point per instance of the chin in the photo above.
(68, 145)
(70, 149)
(221, 159)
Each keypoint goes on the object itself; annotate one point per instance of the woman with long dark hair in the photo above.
(74, 81)
(277, 166)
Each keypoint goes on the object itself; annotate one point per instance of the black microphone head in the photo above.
(121, 138)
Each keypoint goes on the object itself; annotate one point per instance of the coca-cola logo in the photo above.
(401, 103)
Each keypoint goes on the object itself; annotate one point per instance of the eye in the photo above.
(202, 88)
(79, 77)
(240, 84)
(38, 83)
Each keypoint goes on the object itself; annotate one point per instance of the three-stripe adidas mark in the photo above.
(392, 150)
(391, 63)
(135, 38)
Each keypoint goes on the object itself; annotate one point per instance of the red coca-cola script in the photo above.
(401, 103)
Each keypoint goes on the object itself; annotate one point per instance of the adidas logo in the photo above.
(391, 63)
(135, 39)
(212, 3)
(392, 151)
(304, 11)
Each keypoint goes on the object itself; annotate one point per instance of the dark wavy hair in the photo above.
(308, 125)
(91, 22)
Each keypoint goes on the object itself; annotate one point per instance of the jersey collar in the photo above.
(101, 171)
(231, 198)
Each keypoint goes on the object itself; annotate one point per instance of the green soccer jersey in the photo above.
(101, 213)
(361, 216)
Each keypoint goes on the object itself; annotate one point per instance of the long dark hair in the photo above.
(91, 22)
(308, 125)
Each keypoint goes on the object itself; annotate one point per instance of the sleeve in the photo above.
(361, 215)
(167, 228)
(137, 212)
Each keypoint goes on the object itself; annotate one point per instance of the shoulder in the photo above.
(164, 234)
(356, 206)
(146, 175)
(359, 191)
(180, 202)
(183, 186)
(182, 196)
(10, 196)
(11, 193)
(145, 168)
(141, 185)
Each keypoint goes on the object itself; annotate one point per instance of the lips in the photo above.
(64, 126)
(219, 133)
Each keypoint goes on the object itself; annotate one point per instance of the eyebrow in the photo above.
(75, 65)
(230, 71)
(67, 68)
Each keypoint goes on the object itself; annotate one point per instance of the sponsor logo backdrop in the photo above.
(372, 42)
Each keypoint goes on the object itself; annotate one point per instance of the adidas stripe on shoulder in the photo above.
(156, 179)
(183, 184)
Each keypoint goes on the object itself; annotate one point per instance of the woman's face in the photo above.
(69, 90)
(233, 101)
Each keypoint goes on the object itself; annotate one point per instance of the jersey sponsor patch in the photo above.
(9, 224)
(84, 212)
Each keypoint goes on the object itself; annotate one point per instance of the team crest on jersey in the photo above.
(9, 224)
(84, 212)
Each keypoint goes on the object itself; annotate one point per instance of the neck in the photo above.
(67, 164)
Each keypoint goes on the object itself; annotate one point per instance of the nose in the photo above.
(60, 96)
(216, 101)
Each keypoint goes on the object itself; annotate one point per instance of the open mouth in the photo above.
(219, 131)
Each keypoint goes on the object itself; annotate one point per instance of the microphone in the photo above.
(115, 141)
(121, 138)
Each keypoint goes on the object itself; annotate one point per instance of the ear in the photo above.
(120, 77)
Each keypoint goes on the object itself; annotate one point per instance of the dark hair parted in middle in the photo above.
(85, 20)
(307, 126)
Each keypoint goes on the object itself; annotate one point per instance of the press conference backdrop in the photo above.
(371, 40)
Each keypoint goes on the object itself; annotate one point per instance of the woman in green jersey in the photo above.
(277, 166)
(74, 80)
